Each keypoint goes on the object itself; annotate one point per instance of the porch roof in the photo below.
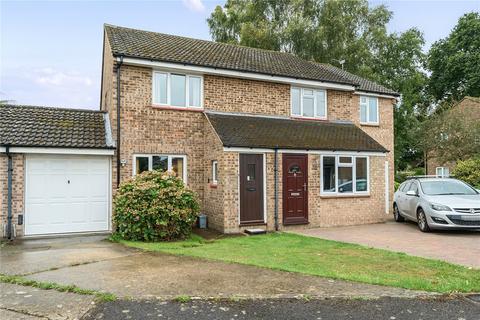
(249, 131)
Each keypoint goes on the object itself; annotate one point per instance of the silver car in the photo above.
(437, 203)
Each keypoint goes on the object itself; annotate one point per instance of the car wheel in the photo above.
(422, 221)
(396, 214)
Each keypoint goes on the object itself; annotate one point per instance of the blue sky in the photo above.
(50, 51)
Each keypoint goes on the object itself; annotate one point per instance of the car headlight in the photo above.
(439, 207)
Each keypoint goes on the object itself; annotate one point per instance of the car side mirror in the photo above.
(411, 193)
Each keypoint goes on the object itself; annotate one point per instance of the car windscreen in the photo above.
(451, 187)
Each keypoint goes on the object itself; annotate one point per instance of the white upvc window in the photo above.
(173, 163)
(309, 103)
(442, 172)
(369, 110)
(343, 175)
(214, 172)
(177, 90)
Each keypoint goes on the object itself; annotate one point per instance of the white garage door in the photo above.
(65, 193)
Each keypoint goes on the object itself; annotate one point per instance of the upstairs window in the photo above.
(176, 90)
(368, 110)
(309, 103)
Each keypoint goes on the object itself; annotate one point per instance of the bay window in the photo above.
(174, 163)
(368, 110)
(309, 103)
(344, 174)
(176, 90)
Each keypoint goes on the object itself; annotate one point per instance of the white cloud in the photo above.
(52, 77)
(194, 5)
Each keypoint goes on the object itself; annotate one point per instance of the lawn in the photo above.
(331, 259)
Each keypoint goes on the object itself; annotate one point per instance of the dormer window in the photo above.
(177, 90)
(309, 103)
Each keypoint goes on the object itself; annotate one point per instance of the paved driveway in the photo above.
(459, 247)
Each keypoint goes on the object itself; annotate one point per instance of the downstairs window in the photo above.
(148, 162)
(344, 175)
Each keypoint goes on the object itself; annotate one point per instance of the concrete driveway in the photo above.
(459, 247)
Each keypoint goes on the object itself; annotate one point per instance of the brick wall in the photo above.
(17, 190)
(151, 130)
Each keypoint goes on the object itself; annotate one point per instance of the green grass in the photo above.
(331, 259)
(19, 280)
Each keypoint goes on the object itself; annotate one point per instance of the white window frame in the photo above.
(187, 89)
(368, 122)
(315, 104)
(214, 174)
(169, 162)
(444, 172)
(353, 165)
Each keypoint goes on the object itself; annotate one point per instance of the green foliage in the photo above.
(329, 31)
(331, 259)
(455, 61)
(402, 175)
(22, 281)
(452, 135)
(469, 171)
(154, 206)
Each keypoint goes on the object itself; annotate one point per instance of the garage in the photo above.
(55, 171)
(66, 193)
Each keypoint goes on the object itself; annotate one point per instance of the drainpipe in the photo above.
(9, 193)
(119, 65)
(275, 187)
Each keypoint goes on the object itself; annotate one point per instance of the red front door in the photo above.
(295, 189)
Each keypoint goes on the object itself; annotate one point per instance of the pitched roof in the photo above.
(363, 84)
(249, 131)
(33, 126)
(175, 49)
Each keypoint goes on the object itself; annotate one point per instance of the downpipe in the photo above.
(9, 193)
(119, 65)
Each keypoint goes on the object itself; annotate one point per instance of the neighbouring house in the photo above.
(57, 164)
(266, 139)
(468, 109)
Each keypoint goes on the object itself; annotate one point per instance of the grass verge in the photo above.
(19, 280)
(325, 258)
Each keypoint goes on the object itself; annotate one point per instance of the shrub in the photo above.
(468, 171)
(154, 206)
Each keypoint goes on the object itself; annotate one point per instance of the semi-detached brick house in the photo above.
(265, 138)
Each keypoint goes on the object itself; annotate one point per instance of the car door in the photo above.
(411, 202)
(401, 196)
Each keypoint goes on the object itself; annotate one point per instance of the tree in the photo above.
(454, 62)
(452, 135)
(328, 31)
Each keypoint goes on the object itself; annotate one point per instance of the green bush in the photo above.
(154, 206)
(468, 171)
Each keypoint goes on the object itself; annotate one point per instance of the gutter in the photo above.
(119, 65)
(9, 193)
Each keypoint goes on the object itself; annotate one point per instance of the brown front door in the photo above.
(295, 189)
(251, 188)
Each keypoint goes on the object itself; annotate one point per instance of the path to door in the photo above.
(459, 247)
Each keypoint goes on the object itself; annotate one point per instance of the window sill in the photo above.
(165, 107)
(370, 124)
(308, 118)
(349, 195)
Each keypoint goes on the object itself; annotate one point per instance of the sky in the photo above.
(50, 51)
